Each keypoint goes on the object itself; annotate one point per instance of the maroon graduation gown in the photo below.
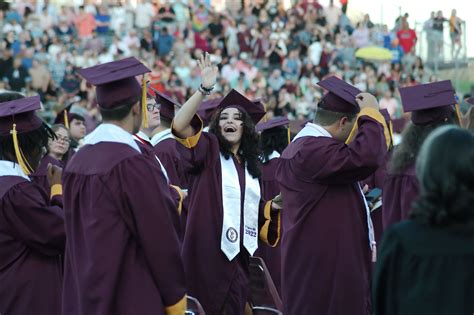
(399, 192)
(271, 255)
(40, 175)
(326, 258)
(32, 240)
(122, 253)
(214, 280)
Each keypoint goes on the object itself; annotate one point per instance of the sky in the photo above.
(419, 11)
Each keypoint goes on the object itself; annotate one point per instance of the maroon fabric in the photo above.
(399, 192)
(256, 110)
(32, 240)
(272, 123)
(20, 112)
(271, 255)
(40, 175)
(122, 252)
(341, 96)
(326, 258)
(210, 276)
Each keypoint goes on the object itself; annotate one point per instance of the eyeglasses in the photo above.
(63, 139)
(151, 107)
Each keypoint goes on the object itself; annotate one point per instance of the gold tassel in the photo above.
(289, 135)
(19, 155)
(458, 113)
(390, 131)
(144, 110)
(66, 119)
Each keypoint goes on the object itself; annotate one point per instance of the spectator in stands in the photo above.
(455, 32)
(407, 37)
(165, 42)
(17, 76)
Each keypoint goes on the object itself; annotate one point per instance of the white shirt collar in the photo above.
(312, 130)
(160, 136)
(143, 135)
(9, 168)
(111, 133)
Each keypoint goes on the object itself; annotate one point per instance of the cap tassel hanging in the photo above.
(458, 112)
(289, 135)
(144, 110)
(19, 155)
(66, 119)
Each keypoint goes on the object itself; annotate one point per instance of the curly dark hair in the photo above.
(248, 150)
(413, 137)
(445, 170)
(275, 139)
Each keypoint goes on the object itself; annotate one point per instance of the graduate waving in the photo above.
(226, 212)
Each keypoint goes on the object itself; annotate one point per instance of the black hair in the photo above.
(248, 150)
(326, 117)
(275, 139)
(164, 121)
(119, 112)
(31, 142)
(405, 154)
(445, 170)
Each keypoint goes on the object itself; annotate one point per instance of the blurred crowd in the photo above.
(262, 50)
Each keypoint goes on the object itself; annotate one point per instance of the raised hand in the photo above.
(367, 100)
(208, 71)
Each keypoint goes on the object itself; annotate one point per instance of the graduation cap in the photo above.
(429, 103)
(116, 83)
(207, 109)
(65, 115)
(234, 99)
(167, 105)
(273, 124)
(341, 96)
(17, 117)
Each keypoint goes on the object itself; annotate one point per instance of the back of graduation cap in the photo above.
(167, 105)
(207, 109)
(234, 99)
(429, 103)
(18, 117)
(116, 84)
(341, 96)
(274, 124)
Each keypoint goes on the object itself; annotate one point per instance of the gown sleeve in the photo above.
(33, 220)
(385, 283)
(340, 163)
(154, 229)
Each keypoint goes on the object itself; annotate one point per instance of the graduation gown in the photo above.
(214, 280)
(424, 270)
(122, 253)
(399, 192)
(271, 255)
(326, 257)
(32, 240)
(40, 175)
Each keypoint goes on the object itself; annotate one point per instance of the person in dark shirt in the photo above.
(17, 76)
(425, 263)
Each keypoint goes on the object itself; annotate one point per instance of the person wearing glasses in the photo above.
(57, 150)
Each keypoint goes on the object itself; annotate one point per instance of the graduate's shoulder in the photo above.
(103, 157)
(309, 145)
(18, 188)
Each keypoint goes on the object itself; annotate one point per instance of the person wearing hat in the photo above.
(226, 211)
(329, 238)
(117, 205)
(32, 236)
(274, 138)
(431, 105)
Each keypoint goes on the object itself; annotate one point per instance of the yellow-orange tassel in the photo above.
(458, 113)
(66, 119)
(390, 130)
(19, 155)
(289, 135)
(144, 110)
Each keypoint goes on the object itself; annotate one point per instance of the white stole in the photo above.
(9, 168)
(313, 130)
(231, 200)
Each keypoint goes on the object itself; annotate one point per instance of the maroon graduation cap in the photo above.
(234, 99)
(207, 109)
(115, 81)
(21, 113)
(429, 103)
(341, 96)
(272, 123)
(167, 105)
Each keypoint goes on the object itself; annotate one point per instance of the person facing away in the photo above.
(122, 252)
(32, 236)
(226, 212)
(431, 106)
(328, 234)
(425, 263)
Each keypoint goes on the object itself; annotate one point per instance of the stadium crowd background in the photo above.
(262, 50)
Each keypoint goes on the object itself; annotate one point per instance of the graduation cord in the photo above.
(22, 161)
